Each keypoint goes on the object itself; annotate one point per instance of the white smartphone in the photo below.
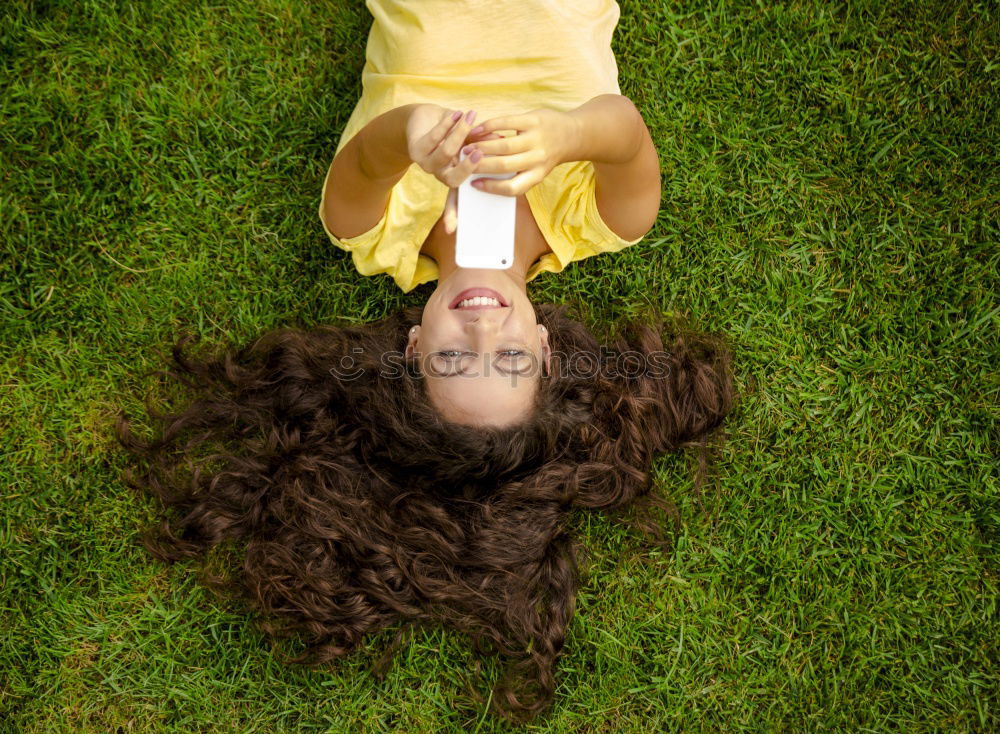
(484, 234)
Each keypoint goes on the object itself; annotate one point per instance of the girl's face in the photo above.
(480, 348)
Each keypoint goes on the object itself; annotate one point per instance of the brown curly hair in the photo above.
(356, 506)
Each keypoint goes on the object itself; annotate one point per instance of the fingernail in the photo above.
(457, 114)
(476, 155)
(477, 183)
(470, 117)
(476, 130)
(467, 149)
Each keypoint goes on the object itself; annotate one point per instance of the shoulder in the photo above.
(574, 205)
(392, 244)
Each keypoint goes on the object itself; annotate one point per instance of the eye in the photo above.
(448, 362)
(514, 361)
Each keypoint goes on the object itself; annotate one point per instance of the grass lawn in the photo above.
(831, 198)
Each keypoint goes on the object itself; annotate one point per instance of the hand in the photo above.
(544, 139)
(434, 135)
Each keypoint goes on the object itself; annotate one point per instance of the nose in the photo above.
(484, 315)
(486, 318)
(484, 327)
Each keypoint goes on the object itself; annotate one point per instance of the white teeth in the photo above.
(479, 301)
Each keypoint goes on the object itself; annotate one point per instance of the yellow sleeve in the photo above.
(565, 207)
(393, 245)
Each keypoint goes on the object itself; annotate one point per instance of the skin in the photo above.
(493, 358)
(607, 130)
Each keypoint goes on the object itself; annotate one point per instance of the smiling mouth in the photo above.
(472, 298)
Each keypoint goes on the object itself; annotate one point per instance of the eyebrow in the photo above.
(505, 373)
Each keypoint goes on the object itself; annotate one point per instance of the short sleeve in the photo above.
(564, 205)
(393, 245)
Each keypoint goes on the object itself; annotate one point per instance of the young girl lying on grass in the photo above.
(421, 468)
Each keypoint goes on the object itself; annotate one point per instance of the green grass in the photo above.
(831, 202)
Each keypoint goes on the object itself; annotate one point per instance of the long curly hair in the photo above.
(355, 506)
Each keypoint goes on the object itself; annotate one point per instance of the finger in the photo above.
(503, 146)
(429, 141)
(509, 186)
(452, 142)
(508, 163)
(455, 175)
(440, 133)
(510, 122)
(477, 132)
(522, 162)
(474, 137)
(451, 211)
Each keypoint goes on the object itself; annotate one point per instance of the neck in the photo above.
(440, 247)
(529, 245)
(446, 263)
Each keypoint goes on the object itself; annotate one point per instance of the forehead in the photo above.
(493, 399)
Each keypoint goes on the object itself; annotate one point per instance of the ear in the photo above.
(411, 342)
(543, 336)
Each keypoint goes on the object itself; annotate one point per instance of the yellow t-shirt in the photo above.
(498, 57)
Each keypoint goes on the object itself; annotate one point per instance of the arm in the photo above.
(610, 132)
(363, 173)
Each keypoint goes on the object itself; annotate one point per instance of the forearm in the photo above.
(364, 172)
(608, 130)
(382, 152)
